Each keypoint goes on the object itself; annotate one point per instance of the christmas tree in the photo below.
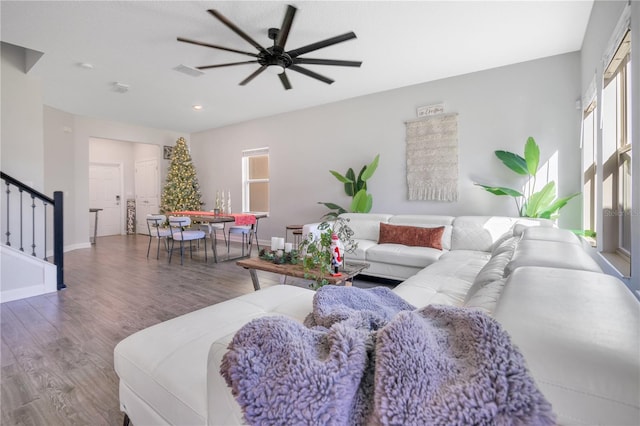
(181, 191)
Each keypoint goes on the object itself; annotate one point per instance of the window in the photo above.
(255, 180)
(616, 151)
(589, 174)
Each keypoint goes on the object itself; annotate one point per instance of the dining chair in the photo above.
(247, 234)
(179, 233)
(210, 229)
(157, 229)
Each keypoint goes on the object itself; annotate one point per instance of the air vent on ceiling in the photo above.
(120, 87)
(188, 70)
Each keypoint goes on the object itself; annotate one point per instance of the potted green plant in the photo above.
(539, 204)
(356, 188)
(315, 251)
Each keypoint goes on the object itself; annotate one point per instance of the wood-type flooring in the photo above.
(57, 349)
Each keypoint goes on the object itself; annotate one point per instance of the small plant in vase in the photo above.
(316, 251)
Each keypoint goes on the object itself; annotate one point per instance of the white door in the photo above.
(147, 192)
(105, 185)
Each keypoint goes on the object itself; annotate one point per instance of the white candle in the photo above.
(280, 243)
(287, 247)
(274, 243)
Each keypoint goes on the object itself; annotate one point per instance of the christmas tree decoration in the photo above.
(181, 190)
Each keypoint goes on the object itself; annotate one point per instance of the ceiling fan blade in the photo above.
(285, 80)
(253, 75)
(199, 43)
(321, 44)
(283, 33)
(205, 67)
(311, 74)
(327, 62)
(236, 30)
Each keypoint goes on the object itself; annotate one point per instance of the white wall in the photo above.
(58, 149)
(498, 109)
(126, 154)
(21, 134)
(87, 128)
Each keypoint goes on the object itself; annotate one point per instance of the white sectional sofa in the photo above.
(577, 327)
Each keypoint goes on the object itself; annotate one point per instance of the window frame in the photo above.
(247, 181)
(618, 72)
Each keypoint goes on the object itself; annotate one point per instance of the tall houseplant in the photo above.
(356, 188)
(540, 204)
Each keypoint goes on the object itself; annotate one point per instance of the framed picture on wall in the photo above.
(166, 152)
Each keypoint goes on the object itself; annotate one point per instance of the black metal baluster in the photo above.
(58, 237)
(44, 203)
(8, 233)
(33, 225)
(21, 245)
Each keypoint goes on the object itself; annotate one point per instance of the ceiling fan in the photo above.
(275, 58)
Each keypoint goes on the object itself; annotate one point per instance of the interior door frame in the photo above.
(158, 186)
(123, 203)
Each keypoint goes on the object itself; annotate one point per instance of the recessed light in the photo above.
(197, 107)
(85, 65)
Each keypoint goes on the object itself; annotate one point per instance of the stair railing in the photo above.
(58, 231)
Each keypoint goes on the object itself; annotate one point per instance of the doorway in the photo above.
(105, 189)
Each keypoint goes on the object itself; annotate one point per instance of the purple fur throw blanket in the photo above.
(367, 357)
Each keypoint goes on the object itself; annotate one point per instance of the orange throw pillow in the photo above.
(414, 236)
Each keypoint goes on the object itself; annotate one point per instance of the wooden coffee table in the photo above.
(254, 264)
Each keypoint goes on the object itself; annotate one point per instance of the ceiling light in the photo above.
(275, 69)
(197, 107)
(85, 65)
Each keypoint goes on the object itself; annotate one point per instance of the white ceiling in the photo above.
(400, 44)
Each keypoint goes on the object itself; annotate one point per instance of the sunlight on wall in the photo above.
(547, 172)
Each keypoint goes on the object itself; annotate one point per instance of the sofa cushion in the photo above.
(360, 252)
(446, 281)
(423, 290)
(578, 331)
(481, 232)
(400, 254)
(463, 264)
(414, 236)
(485, 298)
(550, 234)
(494, 269)
(165, 363)
(552, 254)
(366, 226)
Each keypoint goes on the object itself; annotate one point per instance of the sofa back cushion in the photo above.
(494, 269)
(553, 254)
(550, 234)
(413, 236)
(366, 226)
(481, 232)
(427, 221)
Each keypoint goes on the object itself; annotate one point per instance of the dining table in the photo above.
(240, 219)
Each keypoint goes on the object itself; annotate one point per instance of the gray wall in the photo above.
(498, 109)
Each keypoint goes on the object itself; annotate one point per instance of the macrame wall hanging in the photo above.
(432, 158)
